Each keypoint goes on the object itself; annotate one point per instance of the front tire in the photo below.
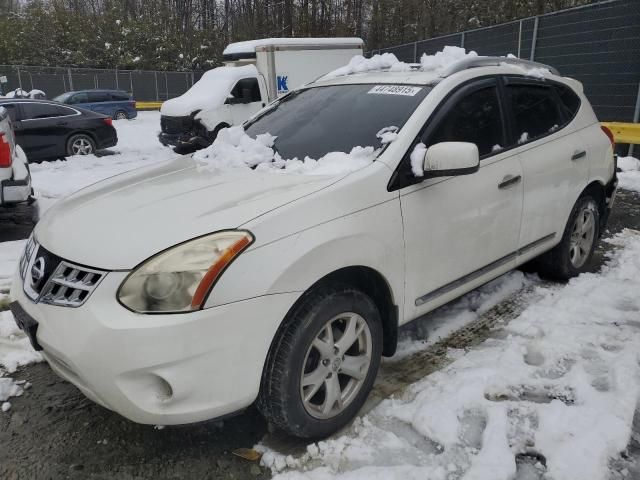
(572, 256)
(323, 363)
(80, 144)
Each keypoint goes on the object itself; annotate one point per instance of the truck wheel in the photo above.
(323, 363)
(80, 144)
(572, 256)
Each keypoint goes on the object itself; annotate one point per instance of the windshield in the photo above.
(62, 98)
(316, 121)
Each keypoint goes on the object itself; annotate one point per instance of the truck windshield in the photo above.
(316, 121)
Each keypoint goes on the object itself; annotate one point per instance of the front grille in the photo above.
(175, 125)
(49, 279)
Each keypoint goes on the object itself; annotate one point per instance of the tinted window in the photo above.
(570, 101)
(247, 89)
(316, 121)
(476, 119)
(119, 96)
(535, 110)
(11, 109)
(42, 110)
(98, 97)
(79, 98)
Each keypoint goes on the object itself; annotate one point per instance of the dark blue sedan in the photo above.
(116, 104)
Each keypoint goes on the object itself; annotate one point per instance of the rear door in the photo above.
(44, 128)
(101, 102)
(553, 159)
(461, 231)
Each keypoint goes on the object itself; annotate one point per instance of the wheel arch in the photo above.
(597, 189)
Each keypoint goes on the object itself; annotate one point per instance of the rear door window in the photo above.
(569, 101)
(97, 97)
(79, 98)
(475, 118)
(34, 111)
(119, 96)
(535, 110)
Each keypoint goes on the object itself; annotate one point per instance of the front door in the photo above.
(461, 231)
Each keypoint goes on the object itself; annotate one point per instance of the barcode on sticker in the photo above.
(395, 90)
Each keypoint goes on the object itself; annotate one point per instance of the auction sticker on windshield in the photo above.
(395, 90)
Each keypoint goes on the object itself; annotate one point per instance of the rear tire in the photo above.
(323, 363)
(80, 144)
(121, 115)
(572, 256)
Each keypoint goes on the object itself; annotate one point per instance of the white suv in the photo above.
(180, 293)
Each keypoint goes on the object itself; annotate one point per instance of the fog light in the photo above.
(163, 389)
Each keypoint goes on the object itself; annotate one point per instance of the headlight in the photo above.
(180, 278)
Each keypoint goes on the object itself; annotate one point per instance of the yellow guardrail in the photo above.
(148, 105)
(624, 132)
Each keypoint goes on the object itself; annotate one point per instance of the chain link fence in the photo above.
(144, 85)
(597, 44)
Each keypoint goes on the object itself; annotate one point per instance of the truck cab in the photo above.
(255, 73)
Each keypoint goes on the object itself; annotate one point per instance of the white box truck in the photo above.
(255, 73)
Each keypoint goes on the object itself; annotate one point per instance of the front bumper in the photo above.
(183, 140)
(159, 369)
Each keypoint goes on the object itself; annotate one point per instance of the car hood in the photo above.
(119, 222)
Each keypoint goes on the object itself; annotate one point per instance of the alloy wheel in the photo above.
(582, 236)
(336, 365)
(121, 116)
(81, 146)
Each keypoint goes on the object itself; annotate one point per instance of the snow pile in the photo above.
(388, 135)
(360, 64)
(417, 159)
(9, 254)
(137, 146)
(445, 58)
(20, 93)
(234, 149)
(629, 177)
(437, 63)
(552, 397)
(211, 91)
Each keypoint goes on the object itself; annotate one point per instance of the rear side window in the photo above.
(570, 102)
(476, 119)
(33, 111)
(79, 98)
(536, 111)
(247, 89)
(119, 96)
(99, 97)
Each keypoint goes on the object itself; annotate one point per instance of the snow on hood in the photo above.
(127, 218)
(234, 149)
(210, 91)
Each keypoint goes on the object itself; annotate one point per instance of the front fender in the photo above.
(370, 238)
(213, 117)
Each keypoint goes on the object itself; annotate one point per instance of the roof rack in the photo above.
(472, 62)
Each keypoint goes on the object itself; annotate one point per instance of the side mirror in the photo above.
(451, 158)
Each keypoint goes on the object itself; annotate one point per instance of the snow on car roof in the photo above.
(250, 46)
(386, 68)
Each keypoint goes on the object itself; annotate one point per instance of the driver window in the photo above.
(476, 119)
(247, 90)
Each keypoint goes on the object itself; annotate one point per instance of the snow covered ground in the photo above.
(629, 177)
(138, 146)
(554, 394)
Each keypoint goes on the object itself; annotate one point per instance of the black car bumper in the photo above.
(183, 140)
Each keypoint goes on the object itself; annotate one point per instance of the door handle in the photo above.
(509, 180)
(577, 155)
(61, 124)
